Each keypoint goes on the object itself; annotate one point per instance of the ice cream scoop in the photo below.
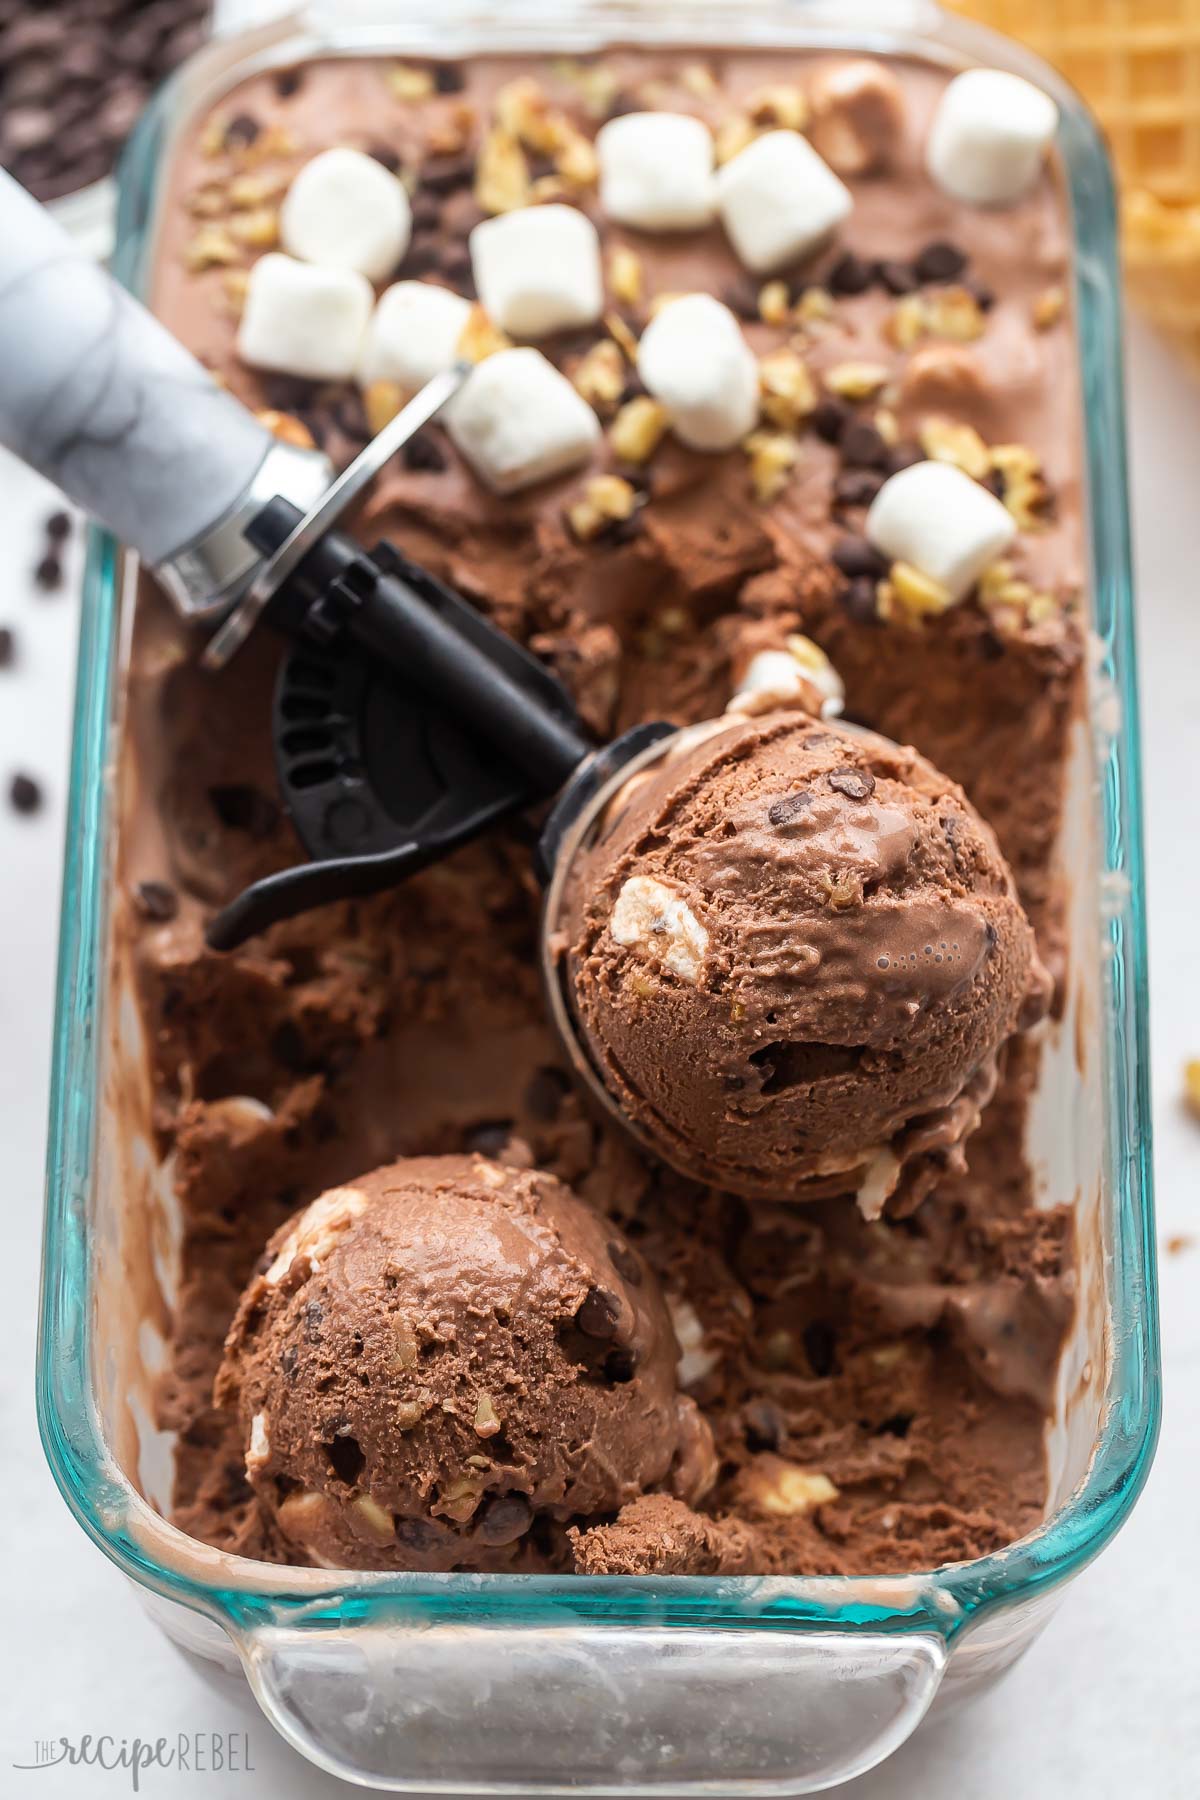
(789, 953)
(448, 1359)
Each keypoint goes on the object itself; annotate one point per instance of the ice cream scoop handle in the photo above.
(96, 395)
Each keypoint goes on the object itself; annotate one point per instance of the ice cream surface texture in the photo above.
(446, 1362)
(798, 950)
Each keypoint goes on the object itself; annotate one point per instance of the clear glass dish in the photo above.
(505, 1684)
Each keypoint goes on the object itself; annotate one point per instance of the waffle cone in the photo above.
(1137, 64)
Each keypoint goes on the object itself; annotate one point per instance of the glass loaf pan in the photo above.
(503, 1684)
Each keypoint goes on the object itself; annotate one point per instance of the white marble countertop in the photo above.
(1103, 1706)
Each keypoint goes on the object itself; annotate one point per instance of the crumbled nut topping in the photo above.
(259, 228)
(621, 334)
(699, 80)
(786, 387)
(382, 400)
(774, 303)
(786, 1490)
(733, 134)
(773, 455)
(409, 83)
(607, 500)
(373, 1520)
(501, 173)
(625, 275)
(1026, 493)
(946, 440)
(638, 429)
(600, 377)
(779, 106)
(481, 338)
(856, 380)
(211, 248)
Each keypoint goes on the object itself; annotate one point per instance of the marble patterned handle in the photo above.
(101, 399)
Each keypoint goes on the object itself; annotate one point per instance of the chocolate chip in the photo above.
(8, 647)
(58, 526)
(783, 811)
(442, 174)
(599, 1315)
(982, 295)
(856, 487)
(243, 808)
(741, 297)
(25, 794)
(426, 210)
(991, 647)
(49, 574)
(764, 1424)
(862, 445)
(855, 556)
(241, 131)
(423, 452)
(449, 78)
(625, 1261)
(860, 602)
(620, 1365)
(856, 784)
(423, 256)
(820, 1343)
(898, 277)
(903, 456)
(289, 1049)
(504, 1519)
(829, 419)
(940, 261)
(490, 1139)
(288, 83)
(850, 274)
(155, 900)
(386, 156)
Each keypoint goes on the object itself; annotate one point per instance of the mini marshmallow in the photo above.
(413, 335)
(345, 211)
(989, 136)
(538, 270)
(656, 171)
(779, 200)
(518, 421)
(937, 519)
(695, 361)
(302, 320)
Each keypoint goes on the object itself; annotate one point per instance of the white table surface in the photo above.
(1105, 1704)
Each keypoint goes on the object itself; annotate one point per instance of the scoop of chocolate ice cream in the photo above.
(446, 1363)
(796, 950)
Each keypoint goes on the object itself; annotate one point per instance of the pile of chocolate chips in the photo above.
(74, 77)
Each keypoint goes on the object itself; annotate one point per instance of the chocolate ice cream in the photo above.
(797, 952)
(446, 1362)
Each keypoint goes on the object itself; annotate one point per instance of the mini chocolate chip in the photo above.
(599, 1315)
(850, 274)
(49, 574)
(288, 83)
(898, 277)
(624, 1260)
(620, 1365)
(490, 1139)
(829, 419)
(442, 174)
(856, 784)
(857, 487)
(58, 527)
(504, 1519)
(241, 131)
(423, 452)
(764, 1424)
(783, 811)
(449, 77)
(156, 900)
(8, 647)
(940, 261)
(903, 456)
(24, 793)
(854, 556)
(385, 155)
(243, 808)
(863, 446)
(820, 1343)
(860, 602)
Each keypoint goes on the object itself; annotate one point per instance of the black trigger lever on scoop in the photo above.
(404, 724)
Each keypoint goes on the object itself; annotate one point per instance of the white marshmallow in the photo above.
(656, 171)
(537, 270)
(303, 320)
(779, 200)
(694, 359)
(946, 525)
(518, 421)
(345, 211)
(413, 334)
(989, 136)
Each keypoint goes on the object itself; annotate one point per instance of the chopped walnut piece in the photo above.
(211, 248)
(786, 387)
(949, 441)
(487, 1419)
(843, 890)
(481, 338)
(916, 593)
(235, 284)
(856, 380)
(409, 83)
(258, 228)
(607, 500)
(625, 275)
(406, 1349)
(411, 1412)
(638, 429)
(207, 202)
(1049, 307)
(1025, 491)
(287, 428)
(621, 334)
(699, 80)
(955, 313)
(575, 158)
(382, 400)
(597, 84)
(733, 134)
(248, 192)
(779, 106)
(600, 377)
(858, 116)
(451, 132)
(369, 1517)
(1191, 1085)
(908, 321)
(773, 455)
(814, 309)
(785, 1489)
(774, 303)
(501, 173)
(459, 1499)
